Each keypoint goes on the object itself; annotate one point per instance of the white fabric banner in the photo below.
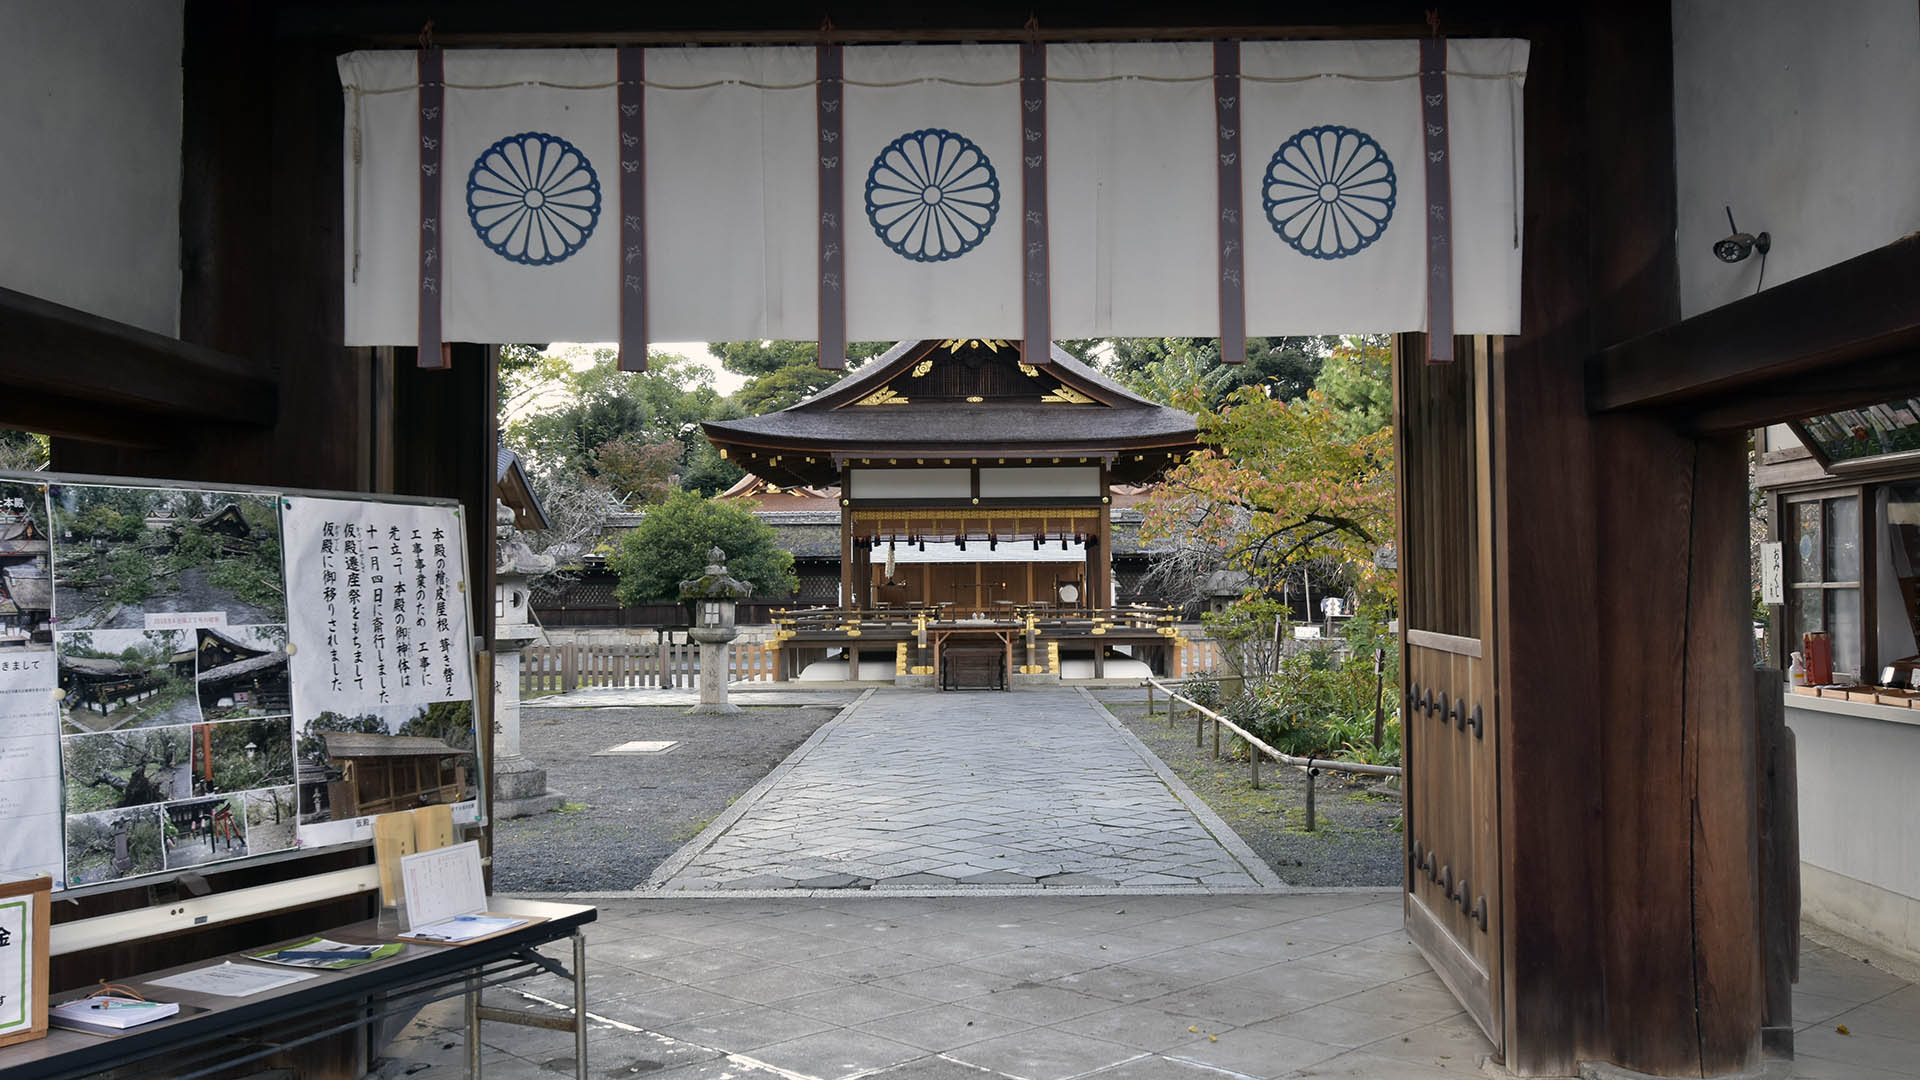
(931, 171)
(932, 177)
(1131, 185)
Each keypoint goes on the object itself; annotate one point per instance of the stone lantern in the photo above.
(519, 785)
(714, 594)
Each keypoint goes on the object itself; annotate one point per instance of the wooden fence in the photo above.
(643, 665)
(1194, 655)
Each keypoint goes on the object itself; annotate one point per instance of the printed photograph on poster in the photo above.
(383, 760)
(241, 755)
(26, 570)
(204, 830)
(377, 593)
(243, 672)
(121, 554)
(270, 819)
(113, 845)
(118, 769)
(116, 679)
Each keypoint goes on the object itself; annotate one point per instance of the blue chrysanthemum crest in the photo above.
(1329, 191)
(533, 198)
(932, 195)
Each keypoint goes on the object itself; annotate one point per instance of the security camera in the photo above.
(1738, 245)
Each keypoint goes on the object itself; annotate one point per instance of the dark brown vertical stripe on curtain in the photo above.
(633, 209)
(1433, 122)
(433, 95)
(1036, 324)
(833, 253)
(1233, 290)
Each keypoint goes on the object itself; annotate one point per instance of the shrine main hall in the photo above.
(975, 489)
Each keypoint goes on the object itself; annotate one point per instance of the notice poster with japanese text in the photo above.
(382, 664)
(30, 844)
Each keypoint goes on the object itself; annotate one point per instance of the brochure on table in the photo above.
(193, 676)
(446, 897)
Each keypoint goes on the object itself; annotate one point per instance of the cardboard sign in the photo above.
(25, 909)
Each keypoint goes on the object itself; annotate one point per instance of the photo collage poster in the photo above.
(151, 713)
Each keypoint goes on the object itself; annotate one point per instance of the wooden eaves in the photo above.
(1840, 337)
(71, 374)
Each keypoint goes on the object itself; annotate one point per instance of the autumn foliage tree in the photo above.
(1284, 483)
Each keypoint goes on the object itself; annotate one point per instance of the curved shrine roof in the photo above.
(973, 398)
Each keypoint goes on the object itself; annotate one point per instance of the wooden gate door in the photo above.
(1449, 712)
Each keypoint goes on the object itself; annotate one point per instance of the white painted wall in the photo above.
(1805, 117)
(1859, 821)
(90, 173)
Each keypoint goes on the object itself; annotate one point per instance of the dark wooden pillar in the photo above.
(1626, 768)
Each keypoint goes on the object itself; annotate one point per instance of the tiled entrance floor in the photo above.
(918, 789)
(1045, 987)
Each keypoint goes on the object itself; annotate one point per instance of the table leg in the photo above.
(473, 1029)
(580, 1006)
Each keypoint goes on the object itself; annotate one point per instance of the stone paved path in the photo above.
(861, 986)
(919, 789)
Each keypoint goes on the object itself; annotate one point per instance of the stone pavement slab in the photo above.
(924, 790)
(668, 1000)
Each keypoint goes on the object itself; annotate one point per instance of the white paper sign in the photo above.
(377, 601)
(17, 986)
(234, 980)
(443, 883)
(1773, 574)
(30, 841)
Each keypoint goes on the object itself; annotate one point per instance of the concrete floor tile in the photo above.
(1044, 1054)
(768, 984)
(937, 1068)
(1144, 1027)
(947, 982)
(942, 1027)
(745, 1029)
(1037, 1004)
(1252, 1052)
(836, 1052)
(850, 1005)
(1336, 1026)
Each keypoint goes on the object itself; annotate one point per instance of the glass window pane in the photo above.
(1806, 547)
(1810, 615)
(1843, 621)
(1843, 539)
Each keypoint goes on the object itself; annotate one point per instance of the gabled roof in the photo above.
(349, 744)
(1060, 408)
(242, 668)
(511, 486)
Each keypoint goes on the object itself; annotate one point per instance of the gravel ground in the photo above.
(628, 812)
(1358, 841)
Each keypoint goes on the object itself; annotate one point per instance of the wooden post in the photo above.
(1777, 783)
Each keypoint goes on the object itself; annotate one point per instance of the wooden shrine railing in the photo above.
(548, 669)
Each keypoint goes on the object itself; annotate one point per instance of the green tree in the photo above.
(597, 403)
(22, 450)
(636, 472)
(1284, 367)
(1357, 379)
(781, 373)
(670, 546)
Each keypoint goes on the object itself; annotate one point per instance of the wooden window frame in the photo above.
(1784, 529)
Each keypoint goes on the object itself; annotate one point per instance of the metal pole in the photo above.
(473, 1029)
(1311, 773)
(1216, 740)
(1379, 688)
(579, 1006)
